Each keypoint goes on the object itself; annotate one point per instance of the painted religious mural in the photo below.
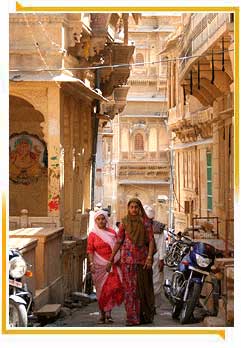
(28, 158)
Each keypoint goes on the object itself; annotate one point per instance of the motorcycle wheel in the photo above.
(176, 309)
(190, 304)
(17, 314)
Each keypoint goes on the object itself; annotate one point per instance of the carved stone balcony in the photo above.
(120, 94)
(209, 73)
(173, 116)
(203, 31)
(196, 126)
(120, 55)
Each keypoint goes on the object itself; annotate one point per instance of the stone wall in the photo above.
(48, 272)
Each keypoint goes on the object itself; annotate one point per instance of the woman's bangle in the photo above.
(149, 257)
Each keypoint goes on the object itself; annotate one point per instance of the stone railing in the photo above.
(196, 18)
(153, 171)
(202, 116)
(152, 157)
(25, 221)
(202, 30)
(173, 117)
(209, 25)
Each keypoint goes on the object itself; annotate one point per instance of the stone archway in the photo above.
(28, 169)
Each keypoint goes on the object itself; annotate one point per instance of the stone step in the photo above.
(48, 310)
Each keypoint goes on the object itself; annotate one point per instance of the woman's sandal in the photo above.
(109, 320)
(101, 321)
(128, 323)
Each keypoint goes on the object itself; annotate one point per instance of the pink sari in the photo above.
(100, 276)
(110, 282)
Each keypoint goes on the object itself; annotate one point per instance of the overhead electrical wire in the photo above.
(61, 50)
(117, 65)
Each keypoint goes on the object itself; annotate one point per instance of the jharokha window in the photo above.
(139, 142)
(140, 59)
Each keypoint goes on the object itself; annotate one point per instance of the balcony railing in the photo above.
(145, 171)
(173, 116)
(208, 26)
(202, 29)
(202, 116)
(147, 156)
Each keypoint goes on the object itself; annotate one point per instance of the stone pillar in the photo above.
(53, 151)
(125, 20)
(171, 85)
(99, 183)
(87, 135)
(24, 218)
(77, 182)
(68, 165)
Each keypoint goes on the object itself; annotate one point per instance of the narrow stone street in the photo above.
(88, 315)
(110, 112)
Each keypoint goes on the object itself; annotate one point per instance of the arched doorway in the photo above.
(28, 167)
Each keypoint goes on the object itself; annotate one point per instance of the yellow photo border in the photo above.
(216, 331)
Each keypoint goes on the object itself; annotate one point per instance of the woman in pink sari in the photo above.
(109, 290)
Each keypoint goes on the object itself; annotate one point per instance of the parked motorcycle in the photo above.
(178, 247)
(184, 290)
(20, 298)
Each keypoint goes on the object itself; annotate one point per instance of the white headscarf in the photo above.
(149, 211)
(107, 236)
(101, 212)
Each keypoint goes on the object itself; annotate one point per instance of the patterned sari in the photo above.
(137, 282)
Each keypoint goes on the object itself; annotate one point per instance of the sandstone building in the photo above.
(201, 119)
(57, 97)
(135, 145)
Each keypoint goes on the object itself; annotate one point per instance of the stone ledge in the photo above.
(42, 233)
(48, 310)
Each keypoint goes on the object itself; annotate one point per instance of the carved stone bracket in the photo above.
(187, 132)
(109, 108)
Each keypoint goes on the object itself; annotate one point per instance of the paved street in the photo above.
(87, 316)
